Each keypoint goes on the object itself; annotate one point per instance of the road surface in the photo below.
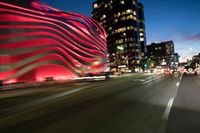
(129, 104)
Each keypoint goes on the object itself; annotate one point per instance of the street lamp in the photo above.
(119, 49)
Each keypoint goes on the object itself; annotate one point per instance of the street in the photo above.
(128, 104)
(185, 113)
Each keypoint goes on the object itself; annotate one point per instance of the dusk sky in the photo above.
(176, 20)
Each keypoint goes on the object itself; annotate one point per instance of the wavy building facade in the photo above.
(38, 42)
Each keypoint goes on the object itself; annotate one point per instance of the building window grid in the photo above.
(126, 15)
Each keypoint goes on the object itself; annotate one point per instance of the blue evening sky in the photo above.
(177, 20)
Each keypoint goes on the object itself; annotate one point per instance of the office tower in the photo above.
(123, 21)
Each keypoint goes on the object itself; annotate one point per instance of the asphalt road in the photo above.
(130, 104)
(185, 112)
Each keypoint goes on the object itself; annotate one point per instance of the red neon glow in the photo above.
(38, 42)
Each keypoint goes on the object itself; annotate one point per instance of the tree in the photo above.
(152, 61)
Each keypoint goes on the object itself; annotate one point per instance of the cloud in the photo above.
(195, 37)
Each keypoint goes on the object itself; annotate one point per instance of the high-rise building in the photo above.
(142, 29)
(163, 53)
(123, 21)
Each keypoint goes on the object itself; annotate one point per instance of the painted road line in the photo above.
(181, 77)
(138, 80)
(177, 84)
(148, 81)
(168, 109)
(170, 103)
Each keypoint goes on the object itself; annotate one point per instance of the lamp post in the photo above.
(119, 60)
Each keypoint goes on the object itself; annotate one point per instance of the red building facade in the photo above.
(38, 41)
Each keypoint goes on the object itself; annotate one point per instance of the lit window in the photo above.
(129, 17)
(123, 18)
(125, 39)
(104, 16)
(141, 39)
(134, 3)
(95, 5)
(118, 14)
(135, 29)
(130, 28)
(122, 1)
(134, 13)
(129, 11)
(121, 41)
(141, 29)
(123, 13)
(121, 30)
(141, 34)
(116, 20)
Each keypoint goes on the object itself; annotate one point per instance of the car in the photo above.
(198, 70)
(166, 71)
(152, 70)
(190, 70)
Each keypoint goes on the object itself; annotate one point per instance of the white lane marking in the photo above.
(148, 81)
(181, 77)
(168, 109)
(177, 84)
(139, 80)
(171, 101)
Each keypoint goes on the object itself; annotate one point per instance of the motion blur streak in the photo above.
(38, 41)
